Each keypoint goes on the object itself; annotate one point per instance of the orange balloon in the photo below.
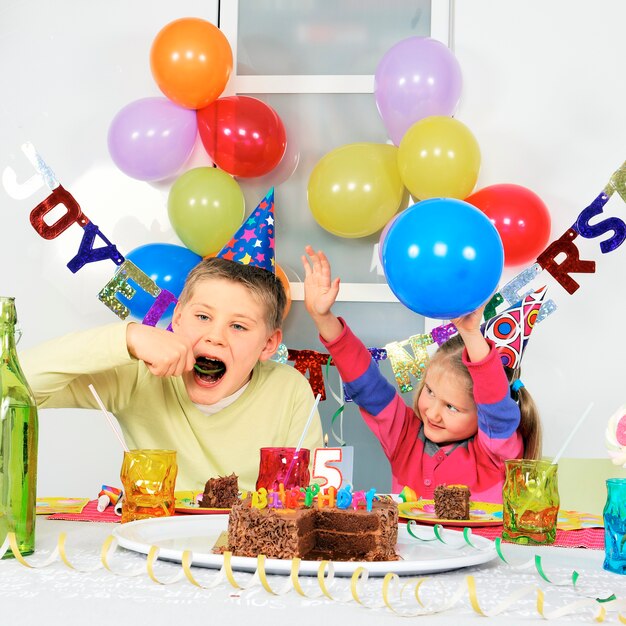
(285, 281)
(191, 61)
(280, 274)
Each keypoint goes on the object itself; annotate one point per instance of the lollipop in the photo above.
(616, 436)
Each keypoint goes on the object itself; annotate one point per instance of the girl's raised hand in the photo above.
(469, 322)
(469, 329)
(320, 291)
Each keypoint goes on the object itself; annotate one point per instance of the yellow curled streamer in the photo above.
(153, 556)
(321, 570)
(418, 582)
(325, 578)
(450, 602)
(359, 578)
(473, 596)
(63, 555)
(110, 545)
(4, 547)
(228, 570)
(568, 609)
(265, 583)
(295, 581)
(507, 603)
(20, 559)
(260, 568)
(187, 561)
(293, 575)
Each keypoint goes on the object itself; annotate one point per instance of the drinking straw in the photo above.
(559, 454)
(300, 442)
(119, 438)
(108, 416)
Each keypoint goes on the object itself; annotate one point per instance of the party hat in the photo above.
(253, 243)
(510, 330)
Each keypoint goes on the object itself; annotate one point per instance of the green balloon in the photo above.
(205, 206)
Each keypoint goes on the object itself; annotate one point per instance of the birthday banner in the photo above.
(128, 278)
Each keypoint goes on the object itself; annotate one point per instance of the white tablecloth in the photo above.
(58, 595)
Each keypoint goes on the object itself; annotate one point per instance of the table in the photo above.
(58, 595)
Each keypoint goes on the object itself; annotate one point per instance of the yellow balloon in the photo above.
(355, 189)
(439, 157)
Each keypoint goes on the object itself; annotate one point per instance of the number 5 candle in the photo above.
(332, 467)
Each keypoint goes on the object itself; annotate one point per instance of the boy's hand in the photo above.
(164, 353)
(320, 293)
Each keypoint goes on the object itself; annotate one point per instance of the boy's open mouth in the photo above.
(209, 370)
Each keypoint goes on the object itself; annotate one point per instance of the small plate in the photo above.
(186, 503)
(481, 514)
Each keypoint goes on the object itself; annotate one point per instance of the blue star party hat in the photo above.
(253, 243)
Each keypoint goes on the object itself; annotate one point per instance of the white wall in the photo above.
(543, 93)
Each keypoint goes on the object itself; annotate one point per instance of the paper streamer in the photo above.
(394, 589)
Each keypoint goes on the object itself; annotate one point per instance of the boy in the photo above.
(207, 390)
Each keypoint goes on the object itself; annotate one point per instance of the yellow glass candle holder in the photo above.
(530, 502)
(148, 478)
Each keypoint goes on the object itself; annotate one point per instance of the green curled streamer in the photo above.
(538, 564)
(408, 529)
(542, 573)
(467, 535)
(437, 529)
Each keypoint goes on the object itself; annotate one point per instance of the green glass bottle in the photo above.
(18, 439)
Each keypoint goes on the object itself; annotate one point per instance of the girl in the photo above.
(465, 421)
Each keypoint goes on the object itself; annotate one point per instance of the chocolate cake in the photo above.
(221, 492)
(452, 502)
(314, 534)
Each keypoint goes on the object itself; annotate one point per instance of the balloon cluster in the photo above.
(443, 256)
(151, 139)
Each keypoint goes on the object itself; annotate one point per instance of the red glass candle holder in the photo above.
(283, 465)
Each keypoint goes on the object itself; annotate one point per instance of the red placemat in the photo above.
(89, 514)
(592, 538)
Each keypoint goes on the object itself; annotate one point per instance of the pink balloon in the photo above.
(416, 78)
(150, 139)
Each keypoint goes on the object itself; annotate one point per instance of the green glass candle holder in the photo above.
(530, 502)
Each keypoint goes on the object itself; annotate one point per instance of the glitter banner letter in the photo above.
(588, 231)
(572, 262)
(158, 308)
(88, 254)
(73, 215)
(119, 284)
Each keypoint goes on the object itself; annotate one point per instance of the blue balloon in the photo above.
(167, 265)
(443, 258)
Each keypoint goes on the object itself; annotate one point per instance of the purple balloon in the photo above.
(383, 234)
(151, 138)
(416, 78)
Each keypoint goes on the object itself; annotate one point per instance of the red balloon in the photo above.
(520, 217)
(243, 135)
